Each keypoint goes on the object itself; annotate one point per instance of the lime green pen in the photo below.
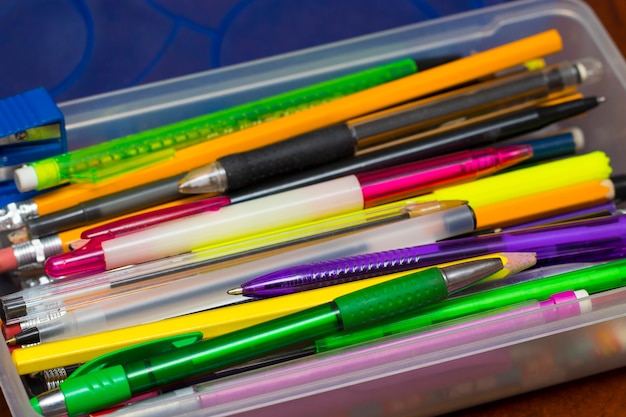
(98, 162)
(103, 382)
(592, 279)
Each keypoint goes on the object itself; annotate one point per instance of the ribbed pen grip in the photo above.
(338, 271)
(391, 298)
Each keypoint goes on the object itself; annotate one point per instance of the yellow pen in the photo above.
(213, 322)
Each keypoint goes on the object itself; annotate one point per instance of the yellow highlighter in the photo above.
(526, 181)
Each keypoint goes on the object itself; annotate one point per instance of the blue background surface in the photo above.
(77, 48)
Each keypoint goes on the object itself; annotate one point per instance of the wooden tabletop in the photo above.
(598, 395)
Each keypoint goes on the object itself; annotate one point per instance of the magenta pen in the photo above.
(310, 203)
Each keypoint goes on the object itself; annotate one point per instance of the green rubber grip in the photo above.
(391, 298)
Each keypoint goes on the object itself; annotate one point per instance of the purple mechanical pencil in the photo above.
(588, 240)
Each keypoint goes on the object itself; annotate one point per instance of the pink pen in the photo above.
(305, 204)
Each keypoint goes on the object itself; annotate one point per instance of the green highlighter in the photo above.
(115, 157)
(118, 376)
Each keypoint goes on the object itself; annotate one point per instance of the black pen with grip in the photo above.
(479, 133)
(344, 140)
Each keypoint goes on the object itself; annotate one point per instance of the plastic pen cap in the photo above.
(87, 260)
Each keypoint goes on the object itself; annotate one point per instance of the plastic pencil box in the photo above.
(500, 364)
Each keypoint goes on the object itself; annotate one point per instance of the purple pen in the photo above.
(580, 239)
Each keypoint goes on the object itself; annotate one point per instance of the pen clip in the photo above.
(137, 352)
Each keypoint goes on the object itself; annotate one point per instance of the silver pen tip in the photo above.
(207, 179)
(235, 291)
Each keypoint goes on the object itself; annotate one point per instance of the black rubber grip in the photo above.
(103, 208)
(479, 133)
(292, 155)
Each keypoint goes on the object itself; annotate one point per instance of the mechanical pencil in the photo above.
(313, 369)
(548, 242)
(63, 295)
(83, 392)
(389, 94)
(562, 144)
(199, 289)
(212, 322)
(239, 170)
(619, 182)
(91, 163)
(474, 134)
(316, 201)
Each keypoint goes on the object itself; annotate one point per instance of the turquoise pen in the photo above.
(100, 384)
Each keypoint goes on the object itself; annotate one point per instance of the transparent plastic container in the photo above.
(494, 367)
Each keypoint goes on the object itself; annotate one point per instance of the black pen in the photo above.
(479, 133)
(344, 140)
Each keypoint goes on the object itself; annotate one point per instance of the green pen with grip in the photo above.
(107, 159)
(102, 383)
(603, 277)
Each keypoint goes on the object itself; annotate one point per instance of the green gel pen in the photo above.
(592, 279)
(102, 382)
(84, 165)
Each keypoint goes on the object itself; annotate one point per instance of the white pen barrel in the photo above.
(301, 205)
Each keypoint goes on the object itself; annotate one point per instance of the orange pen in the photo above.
(544, 204)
